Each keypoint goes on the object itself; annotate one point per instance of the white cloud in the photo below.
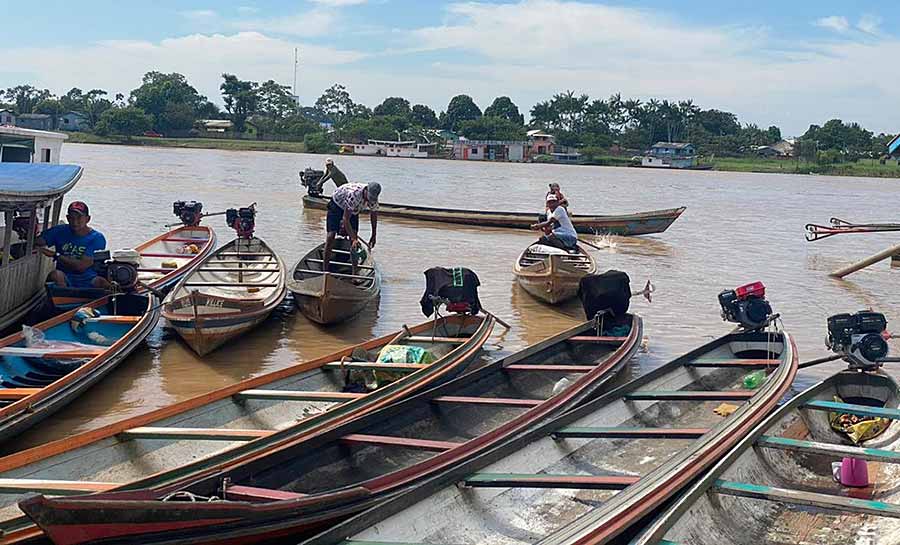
(837, 23)
(870, 24)
(199, 14)
(315, 22)
(339, 3)
(247, 10)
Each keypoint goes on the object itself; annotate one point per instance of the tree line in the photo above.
(168, 104)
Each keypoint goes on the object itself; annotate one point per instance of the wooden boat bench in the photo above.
(86, 351)
(337, 275)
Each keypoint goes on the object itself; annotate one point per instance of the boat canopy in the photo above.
(29, 183)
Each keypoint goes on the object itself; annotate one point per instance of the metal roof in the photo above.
(32, 182)
(675, 145)
(32, 133)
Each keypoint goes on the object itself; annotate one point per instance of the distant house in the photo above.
(490, 150)
(224, 128)
(38, 122)
(766, 151)
(8, 117)
(540, 143)
(670, 155)
(73, 121)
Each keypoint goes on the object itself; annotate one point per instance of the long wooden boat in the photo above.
(289, 492)
(776, 485)
(202, 433)
(591, 474)
(226, 295)
(338, 295)
(552, 274)
(640, 223)
(34, 193)
(38, 378)
(165, 259)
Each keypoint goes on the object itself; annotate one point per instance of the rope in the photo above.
(190, 496)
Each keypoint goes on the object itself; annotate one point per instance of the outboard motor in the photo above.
(608, 293)
(456, 288)
(242, 220)
(746, 306)
(309, 178)
(189, 212)
(119, 267)
(859, 338)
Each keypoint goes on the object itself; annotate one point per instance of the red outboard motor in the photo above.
(746, 306)
(242, 220)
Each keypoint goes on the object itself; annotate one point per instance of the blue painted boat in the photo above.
(47, 366)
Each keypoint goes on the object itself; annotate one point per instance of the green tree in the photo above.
(25, 97)
(492, 128)
(317, 142)
(276, 100)
(335, 103)
(241, 99)
(461, 108)
(503, 107)
(424, 116)
(73, 101)
(168, 98)
(94, 103)
(51, 107)
(393, 106)
(128, 121)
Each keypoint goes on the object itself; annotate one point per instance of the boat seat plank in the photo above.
(293, 395)
(550, 367)
(541, 480)
(236, 492)
(173, 256)
(690, 395)
(200, 434)
(385, 440)
(52, 487)
(402, 367)
(113, 319)
(596, 339)
(829, 449)
(13, 394)
(445, 340)
(741, 363)
(813, 499)
(341, 263)
(573, 432)
(232, 284)
(337, 275)
(176, 239)
(861, 410)
(234, 269)
(50, 353)
(244, 254)
(500, 401)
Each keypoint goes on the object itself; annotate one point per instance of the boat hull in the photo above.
(552, 280)
(642, 223)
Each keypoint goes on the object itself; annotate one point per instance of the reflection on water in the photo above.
(737, 228)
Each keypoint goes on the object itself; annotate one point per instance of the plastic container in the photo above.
(754, 380)
(854, 472)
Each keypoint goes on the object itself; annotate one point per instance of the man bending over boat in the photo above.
(558, 229)
(74, 244)
(331, 173)
(346, 203)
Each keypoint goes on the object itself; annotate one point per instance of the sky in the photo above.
(780, 63)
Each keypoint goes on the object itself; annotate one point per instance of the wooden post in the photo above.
(849, 269)
(57, 208)
(46, 217)
(7, 237)
(32, 223)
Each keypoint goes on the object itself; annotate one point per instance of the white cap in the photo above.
(329, 161)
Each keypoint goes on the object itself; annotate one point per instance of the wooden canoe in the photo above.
(226, 295)
(641, 223)
(340, 294)
(551, 274)
(38, 380)
(591, 474)
(776, 485)
(290, 491)
(189, 437)
(165, 259)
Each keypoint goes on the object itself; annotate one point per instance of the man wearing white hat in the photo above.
(331, 173)
(344, 208)
(558, 229)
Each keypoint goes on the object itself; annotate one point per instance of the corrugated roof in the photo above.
(22, 182)
(33, 133)
(676, 145)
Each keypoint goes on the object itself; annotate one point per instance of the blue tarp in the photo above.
(35, 180)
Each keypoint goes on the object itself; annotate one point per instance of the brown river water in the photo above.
(737, 228)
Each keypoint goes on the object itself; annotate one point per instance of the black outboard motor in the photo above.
(859, 338)
(189, 212)
(746, 306)
(608, 293)
(457, 288)
(121, 272)
(309, 178)
(242, 220)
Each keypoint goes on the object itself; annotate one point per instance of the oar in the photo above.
(838, 226)
(582, 241)
(499, 321)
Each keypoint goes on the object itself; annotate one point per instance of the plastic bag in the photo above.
(857, 428)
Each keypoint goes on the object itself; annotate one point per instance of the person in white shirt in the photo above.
(346, 203)
(558, 229)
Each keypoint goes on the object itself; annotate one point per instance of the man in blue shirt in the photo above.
(74, 245)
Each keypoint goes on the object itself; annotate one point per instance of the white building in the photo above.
(18, 145)
(391, 148)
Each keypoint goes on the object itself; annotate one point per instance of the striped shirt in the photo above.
(350, 197)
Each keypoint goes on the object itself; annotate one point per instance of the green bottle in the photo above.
(754, 380)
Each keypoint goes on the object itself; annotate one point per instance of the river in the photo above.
(737, 228)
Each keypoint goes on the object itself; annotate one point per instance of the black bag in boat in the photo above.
(458, 285)
(610, 291)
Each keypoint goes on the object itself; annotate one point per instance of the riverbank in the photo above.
(868, 168)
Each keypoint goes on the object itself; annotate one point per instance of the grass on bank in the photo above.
(863, 167)
(200, 143)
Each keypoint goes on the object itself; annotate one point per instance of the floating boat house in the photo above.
(392, 148)
(670, 155)
(18, 145)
